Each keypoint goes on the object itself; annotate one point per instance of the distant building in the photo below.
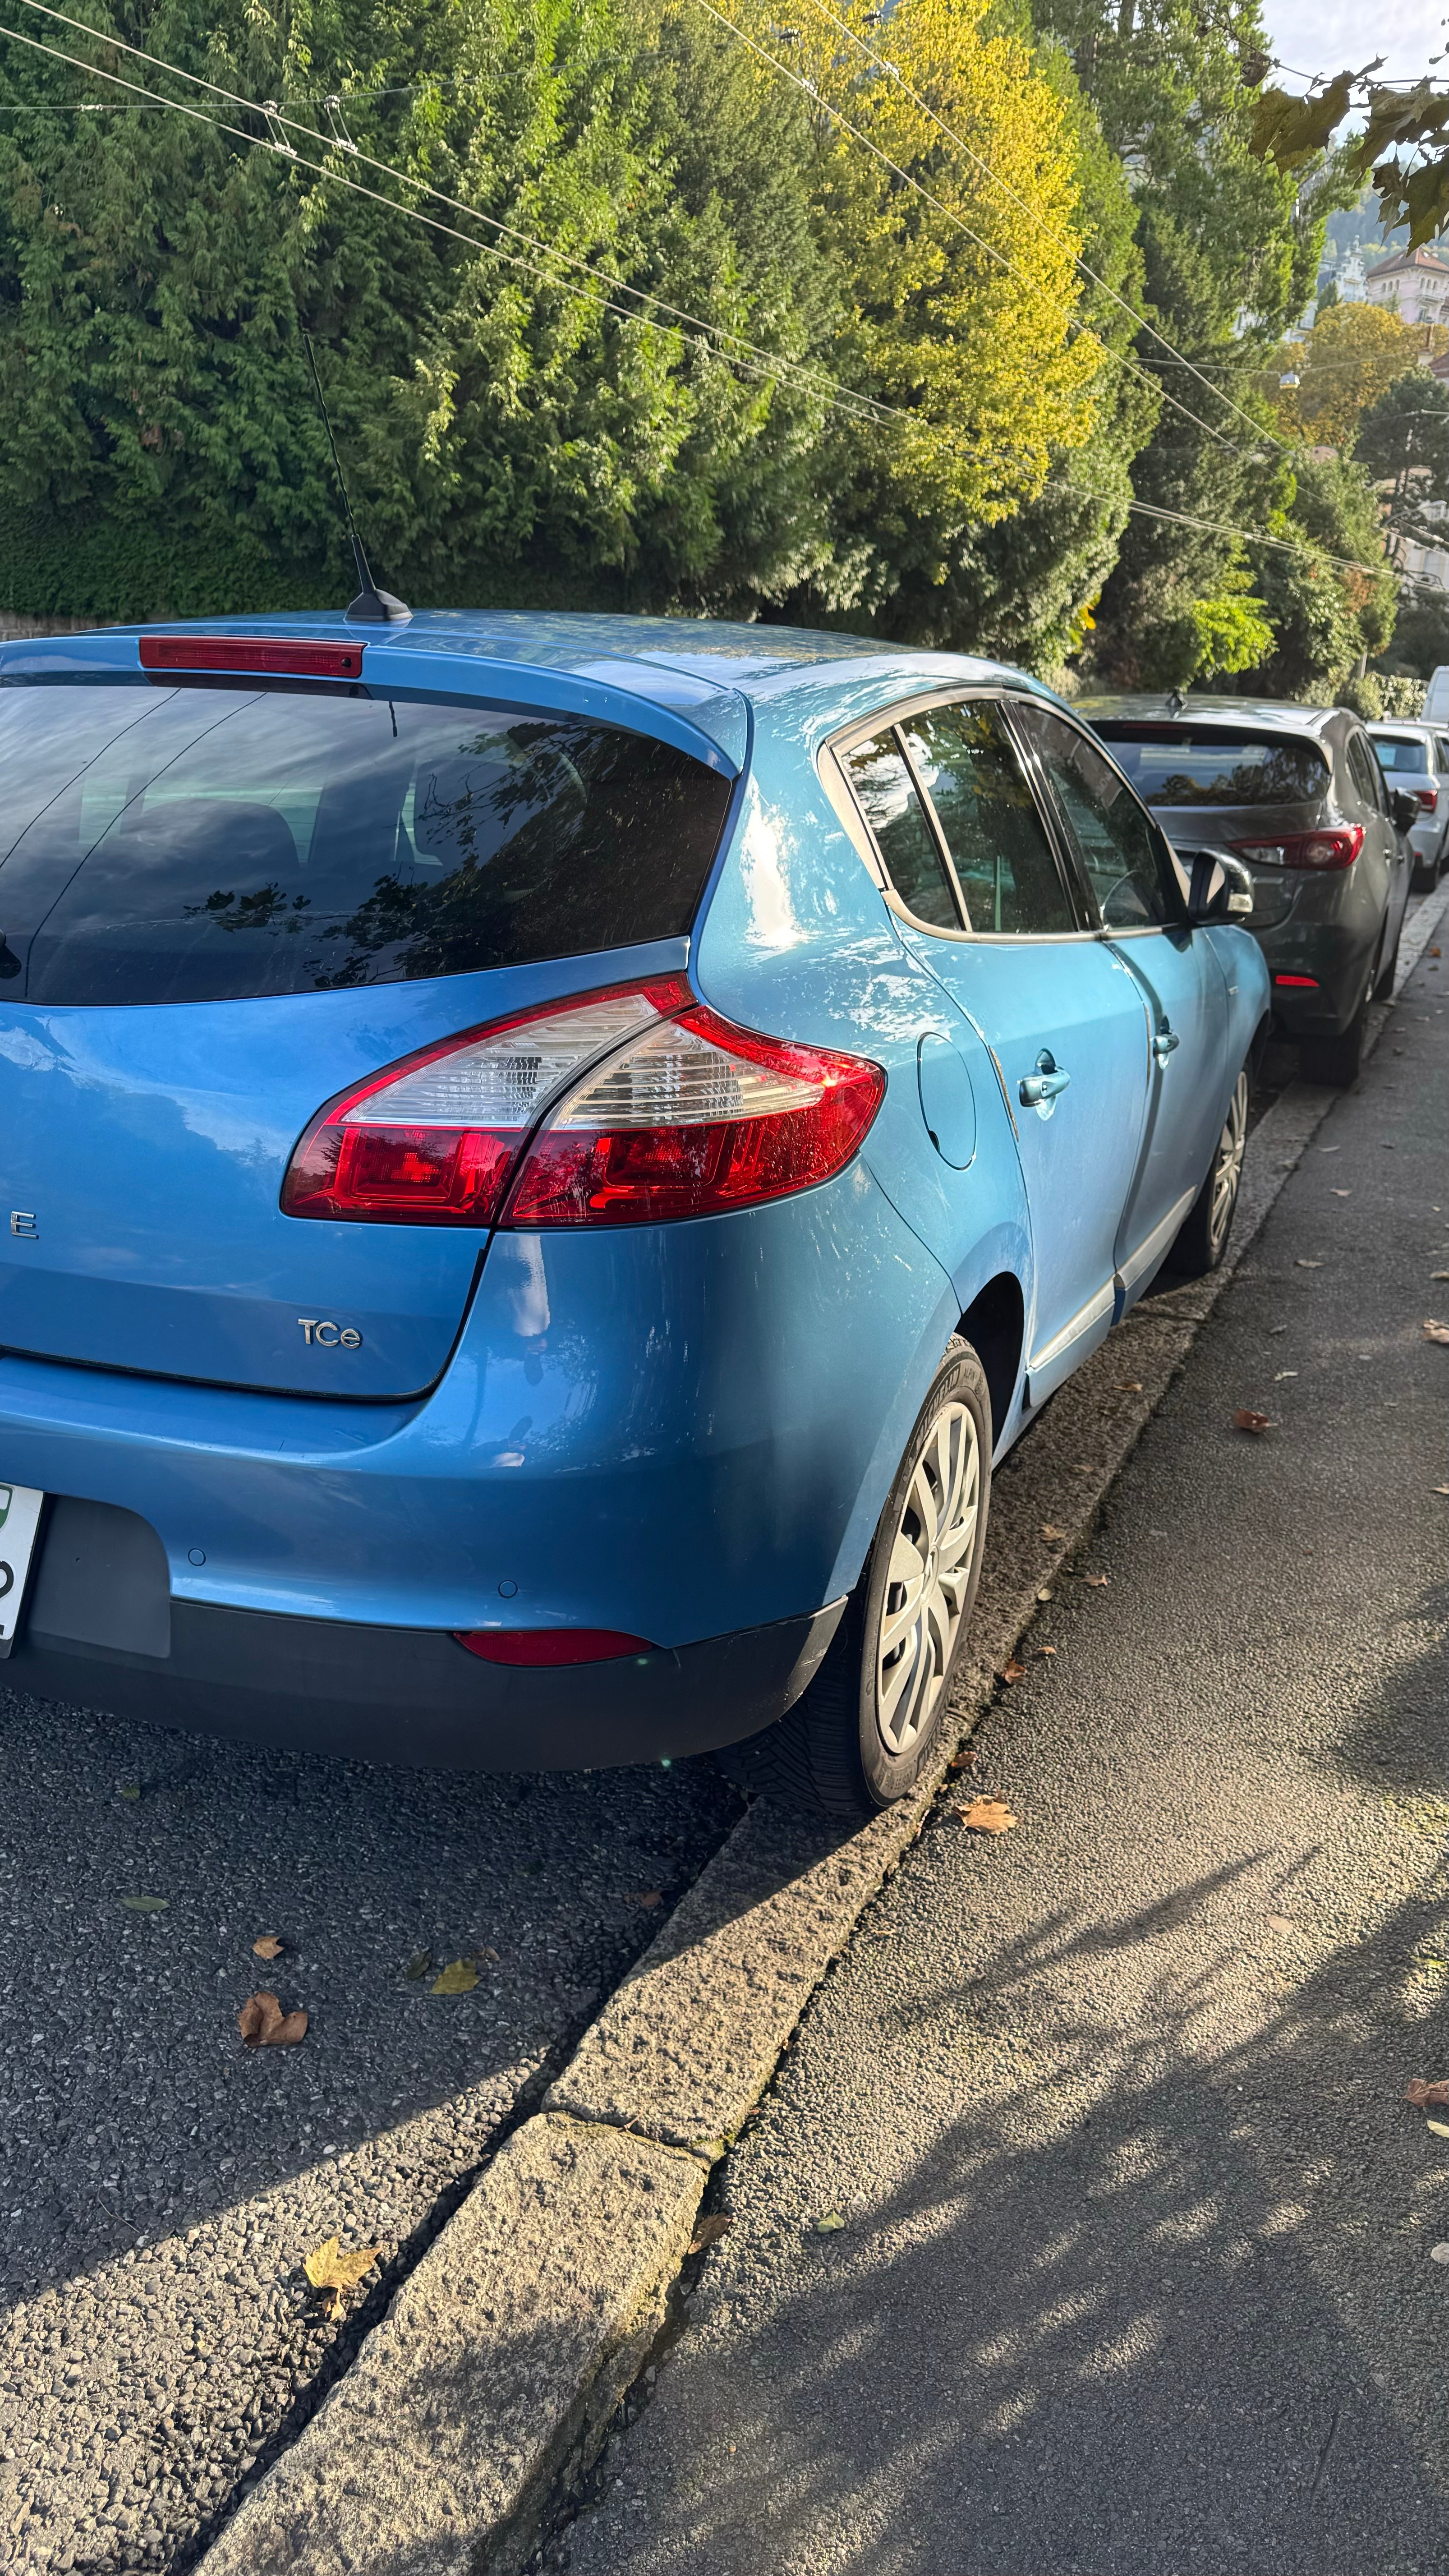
(1414, 284)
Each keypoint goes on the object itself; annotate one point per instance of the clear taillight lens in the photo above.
(434, 1140)
(1336, 849)
(696, 1117)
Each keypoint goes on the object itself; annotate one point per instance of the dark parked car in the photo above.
(1298, 794)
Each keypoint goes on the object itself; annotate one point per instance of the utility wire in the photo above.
(894, 72)
(1251, 536)
(785, 371)
(808, 89)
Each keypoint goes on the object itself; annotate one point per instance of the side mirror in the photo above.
(1219, 886)
(1404, 808)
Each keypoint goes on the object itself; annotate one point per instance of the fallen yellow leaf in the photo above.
(458, 1978)
(269, 1947)
(328, 2268)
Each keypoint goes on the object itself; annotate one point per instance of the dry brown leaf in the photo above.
(1246, 1420)
(1434, 1332)
(988, 1816)
(329, 2269)
(1129, 1386)
(1098, 1582)
(710, 2230)
(1281, 1922)
(1308, 1265)
(651, 1897)
(1046, 1650)
(263, 2024)
(965, 1760)
(1439, 1274)
(269, 1947)
(1048, 1531)
(1426, 2096)
(1436, 952)
(1441, 1489)
(1012, 1671)
(1343, 1194)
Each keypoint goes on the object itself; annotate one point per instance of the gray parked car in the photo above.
(1415, 757)
(1297, 794)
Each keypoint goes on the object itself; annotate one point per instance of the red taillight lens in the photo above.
(281, 654)
(433, 1140)
(1336, 849)
(1428, 798)
(551, 1646)
(696, 1117)
(662, 1111)
(1299, 983)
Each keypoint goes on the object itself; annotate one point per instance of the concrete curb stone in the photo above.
(503, 2355)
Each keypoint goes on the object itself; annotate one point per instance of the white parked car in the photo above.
(1416, 758)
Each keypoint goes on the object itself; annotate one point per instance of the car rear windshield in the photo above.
(1202, 765)
(1400, 751)
(206, 844)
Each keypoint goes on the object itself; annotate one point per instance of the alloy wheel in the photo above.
(929, 1578)
(1228, 1168)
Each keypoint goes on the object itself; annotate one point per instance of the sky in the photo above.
(1331, 35)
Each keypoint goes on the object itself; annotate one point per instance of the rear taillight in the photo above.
(1336, 849)
(659, 1109)
(696, 1117)
(435, 1139)
(1298, 983)
(1428, 798)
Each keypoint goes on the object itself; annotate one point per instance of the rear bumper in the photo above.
(414, 1696)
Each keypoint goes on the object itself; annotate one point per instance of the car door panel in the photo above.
(1176, 969)
(1060, 1019)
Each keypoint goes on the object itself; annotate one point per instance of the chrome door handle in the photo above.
(1039, 1090)
(1163, 1044)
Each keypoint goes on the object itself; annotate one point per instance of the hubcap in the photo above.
(930, 1570)
(1228, 1169)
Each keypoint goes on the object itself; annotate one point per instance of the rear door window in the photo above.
(1367, 777)
(1182, 765)
(214, 843)
(1399, 751)
(1004, 861)
(880, 774)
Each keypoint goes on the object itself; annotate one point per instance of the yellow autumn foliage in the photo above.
(965, 298)
(1353, 354)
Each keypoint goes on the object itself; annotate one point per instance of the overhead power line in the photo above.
(808, 89)
(785, 371)
(878, 414)
(894, 71)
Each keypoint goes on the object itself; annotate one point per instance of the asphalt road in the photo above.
(1135, 2275)
(160, 2183)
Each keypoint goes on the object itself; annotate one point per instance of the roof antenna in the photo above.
(372, 606)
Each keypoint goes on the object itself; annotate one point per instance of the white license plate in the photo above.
(19, 1519)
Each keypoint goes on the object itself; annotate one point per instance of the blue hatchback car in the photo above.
(544, 1157)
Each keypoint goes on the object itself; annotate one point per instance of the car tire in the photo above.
(1200, 1246)
(861, 1734)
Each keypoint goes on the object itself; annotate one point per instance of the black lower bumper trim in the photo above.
(414, 1696)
